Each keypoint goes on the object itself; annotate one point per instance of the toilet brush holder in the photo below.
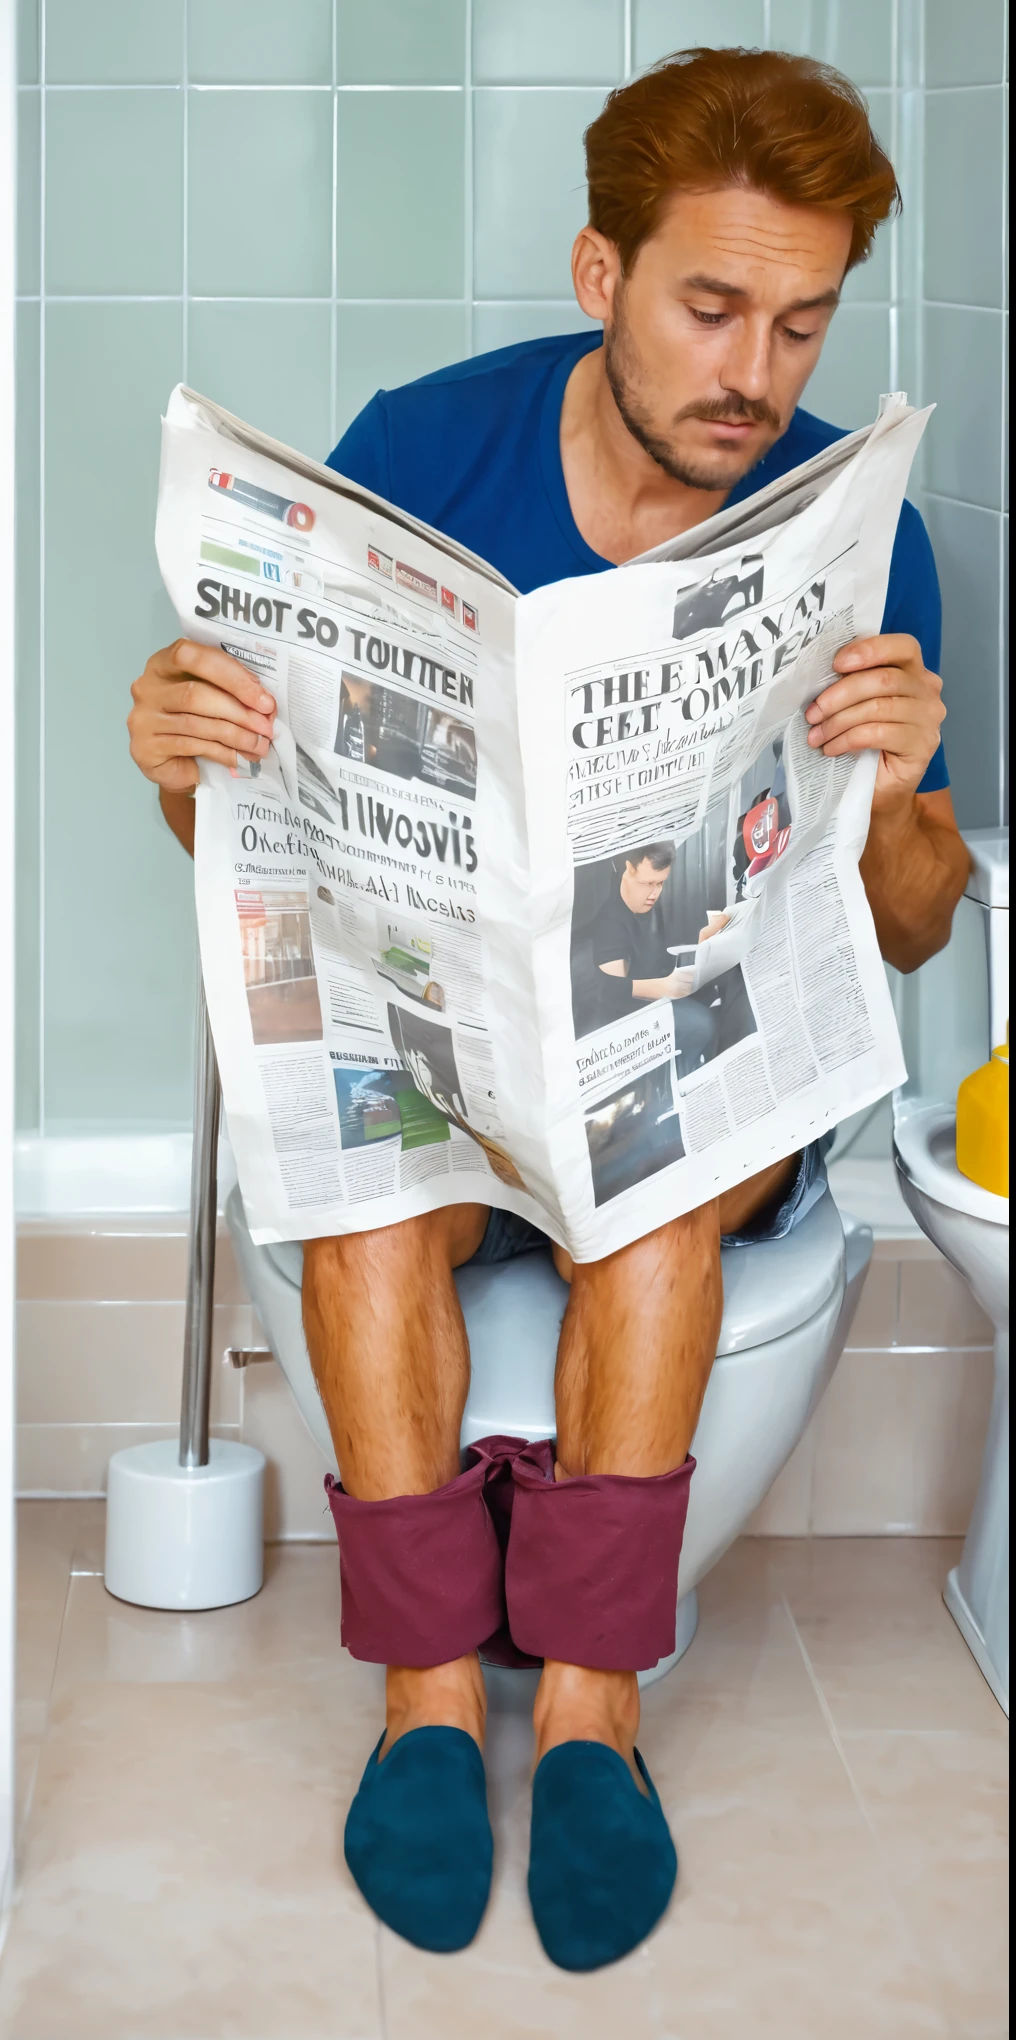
(184, 1518)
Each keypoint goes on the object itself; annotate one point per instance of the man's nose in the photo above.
(746, 370)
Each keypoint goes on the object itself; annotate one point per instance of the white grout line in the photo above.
(185, 244)
(174, 297)
(830, 1723)
(964, 503)
(1003, 531)
(469, 162)
(333, 323)
(41, 791)
(883, 86)
(895, 377)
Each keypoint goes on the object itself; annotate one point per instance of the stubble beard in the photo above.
(620, 362)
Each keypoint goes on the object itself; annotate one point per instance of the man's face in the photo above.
(712, 337)
(643, 884)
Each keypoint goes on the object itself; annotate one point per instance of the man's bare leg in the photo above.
(388, 1346)
(637, 1345)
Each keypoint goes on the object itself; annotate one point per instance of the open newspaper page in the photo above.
(710, 990)
(353, 984)
(539, 902)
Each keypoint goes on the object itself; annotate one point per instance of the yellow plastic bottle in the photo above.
(982, 1123)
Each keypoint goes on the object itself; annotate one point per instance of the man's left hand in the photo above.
(885, 701)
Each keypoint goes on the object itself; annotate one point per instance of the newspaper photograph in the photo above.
(545, 901)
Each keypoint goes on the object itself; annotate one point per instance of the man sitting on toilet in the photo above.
(730, 192)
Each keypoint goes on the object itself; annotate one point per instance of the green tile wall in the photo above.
(191, 226)
(960, 329)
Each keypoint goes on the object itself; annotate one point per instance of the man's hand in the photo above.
(915, 863)
(678, 985)
(885, 701)
(195, 702)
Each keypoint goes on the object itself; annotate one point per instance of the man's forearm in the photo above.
(914, 870)
(178, 809)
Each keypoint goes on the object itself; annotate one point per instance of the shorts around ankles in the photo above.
(508, 1236)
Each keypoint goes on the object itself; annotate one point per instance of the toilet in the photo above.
(966, 1009)
(788, 1305)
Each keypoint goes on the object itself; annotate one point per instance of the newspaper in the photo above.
(542, 901)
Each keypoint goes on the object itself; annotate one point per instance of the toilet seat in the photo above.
(925, 1136)
(769, 1286)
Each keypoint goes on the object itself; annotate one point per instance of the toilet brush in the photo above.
(184, 1517)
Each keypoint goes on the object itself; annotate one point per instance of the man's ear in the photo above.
(596, 272)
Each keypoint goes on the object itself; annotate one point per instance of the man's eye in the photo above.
(792, 335)
(708, 318)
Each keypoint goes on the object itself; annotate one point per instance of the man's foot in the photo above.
(602, 1864)
(574, 1704)
(435, 1696)
(418, 1838)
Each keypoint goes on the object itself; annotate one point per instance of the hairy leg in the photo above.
(388, 1346)
(637, 1345)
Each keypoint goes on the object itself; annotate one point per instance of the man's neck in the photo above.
(621, 499)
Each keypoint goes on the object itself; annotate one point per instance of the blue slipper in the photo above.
(602, 1864)
(418, 1838)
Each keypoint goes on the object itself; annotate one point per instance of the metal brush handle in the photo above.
(197, 1337)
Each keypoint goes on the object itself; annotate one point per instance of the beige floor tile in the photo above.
(28, 1749)
(783, 1926)
(183, 1875)
(50, 1535)
(745, 1658)
(505, 1989)
(881, 1642)
(939, 1806)
(293, 1622)
(743, 1983)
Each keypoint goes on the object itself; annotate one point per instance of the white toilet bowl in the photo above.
(788, 1305)
(962, 1012)
(970, 1227)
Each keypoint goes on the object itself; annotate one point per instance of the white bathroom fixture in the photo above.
(970, 1226)
(787, 1309)
(184, 1518)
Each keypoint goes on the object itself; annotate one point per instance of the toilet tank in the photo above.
(988, 889)
(954, 1010)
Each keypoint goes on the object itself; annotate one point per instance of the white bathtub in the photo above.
(81, 1176)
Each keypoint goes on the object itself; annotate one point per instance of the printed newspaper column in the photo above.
(538, 901)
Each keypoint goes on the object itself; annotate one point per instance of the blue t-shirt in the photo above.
(475, 450)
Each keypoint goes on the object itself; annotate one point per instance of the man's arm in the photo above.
(676, 985)
(915, 866)
(178, 810)
(194, 702)
(915, 862)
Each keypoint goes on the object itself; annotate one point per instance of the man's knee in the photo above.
(748, 1200)
(390, 1251)
(695, 1233)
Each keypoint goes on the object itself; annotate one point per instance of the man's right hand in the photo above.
(193, 702)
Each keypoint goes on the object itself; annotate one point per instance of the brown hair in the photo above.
(787, 126)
